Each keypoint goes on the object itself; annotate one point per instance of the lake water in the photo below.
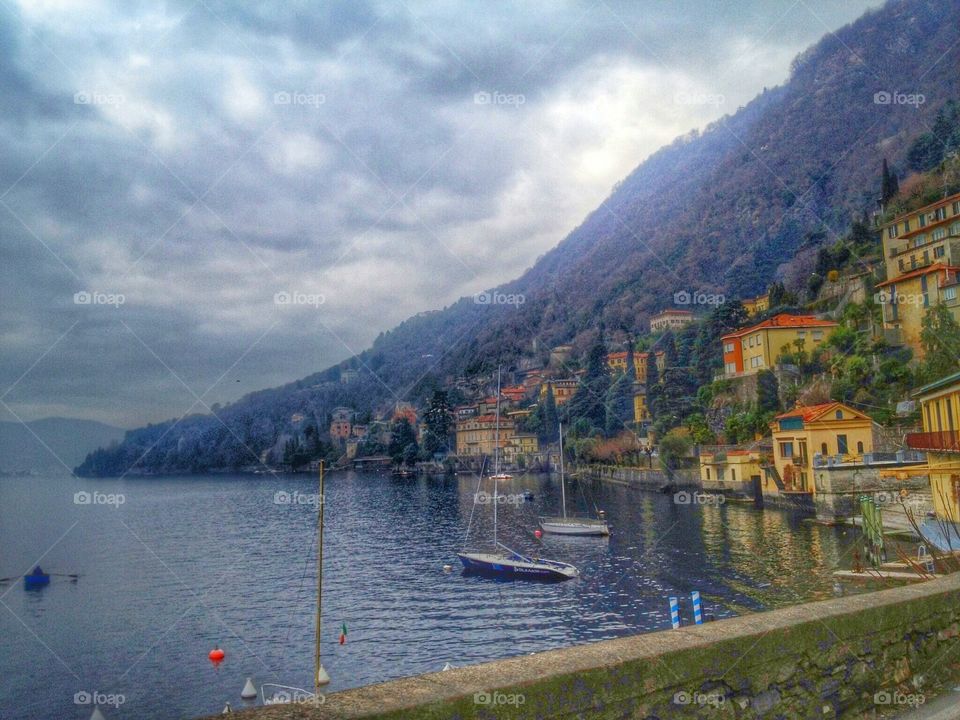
(187, 563)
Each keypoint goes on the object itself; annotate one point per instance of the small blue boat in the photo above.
(37, 578)
(514, 566)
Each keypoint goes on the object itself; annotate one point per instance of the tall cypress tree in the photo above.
(589, 402)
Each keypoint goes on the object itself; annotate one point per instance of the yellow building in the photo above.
(940, 439)
(477, 435)
(921, 250)
(642, 359)
(641, 413)
(830, 429)
(521, 444)
(732, 466)
(670, 320)
(563, 390)
(760, 346)
(759, 304)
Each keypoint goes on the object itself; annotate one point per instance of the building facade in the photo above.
(830, 429)
(940, 439)
(563, 390)
(760, 346)
(477, 436)
(738, 465)
(670, 320)
(756, 305)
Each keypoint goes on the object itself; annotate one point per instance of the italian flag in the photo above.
(343, 633)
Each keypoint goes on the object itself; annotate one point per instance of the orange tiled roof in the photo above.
(784, 320)
(810, 413)
(935, 267)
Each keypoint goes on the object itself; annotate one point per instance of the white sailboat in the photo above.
(572, 525)
(497, 475)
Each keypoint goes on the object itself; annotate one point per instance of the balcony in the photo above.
(946, 441)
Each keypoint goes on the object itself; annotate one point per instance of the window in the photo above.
(939, 234)
(818, 334)
(842, 444)
(955, 229)
(892, 231)
(938, 252)
(728, 347)
(801, 333)
(900, 264)
(939, 419)
(906, 225)
(786, 449)
(926, 257)
(922, 219)
(950, 293)
(859, 447)
(733, 475)
(708, 473)
(940, 213)
(919, 240)
(730, 368)
(956, 207)
(839, 415)
(823, 448)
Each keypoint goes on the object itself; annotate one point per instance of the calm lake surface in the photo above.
(188, 563)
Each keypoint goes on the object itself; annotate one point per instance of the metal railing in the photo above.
(943, 441)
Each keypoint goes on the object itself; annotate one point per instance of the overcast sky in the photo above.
(182, 163)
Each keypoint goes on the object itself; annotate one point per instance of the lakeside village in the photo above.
(845, 404)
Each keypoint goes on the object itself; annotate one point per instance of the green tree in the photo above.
(889, 186)
(401, 436)
(589, 402)
(925, 152)
(674, 447)
(437, 420)
(940, 340)
(768, 391)
(620, 405)
(550, 419)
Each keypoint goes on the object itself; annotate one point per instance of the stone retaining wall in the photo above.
(850, 657)
(641, 477)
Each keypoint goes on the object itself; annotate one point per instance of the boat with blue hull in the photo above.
(36, 579)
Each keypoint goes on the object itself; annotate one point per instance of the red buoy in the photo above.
(537, 534)
(216, 655)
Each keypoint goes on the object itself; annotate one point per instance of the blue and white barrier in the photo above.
(697, 607)
(674, 612)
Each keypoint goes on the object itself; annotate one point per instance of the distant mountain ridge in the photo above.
(67, 441)
(717, 211)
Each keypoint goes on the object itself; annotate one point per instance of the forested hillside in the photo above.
(717, 211)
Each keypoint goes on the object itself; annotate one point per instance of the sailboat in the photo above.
(572, 525)
(504, 562)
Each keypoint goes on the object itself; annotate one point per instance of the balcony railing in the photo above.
(945, 441)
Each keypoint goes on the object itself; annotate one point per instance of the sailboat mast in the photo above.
(496, 462)
(320, 676)
(563, 492)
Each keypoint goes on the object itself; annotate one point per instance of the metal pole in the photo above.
(563, 492)
(496, 463)
(320, 675)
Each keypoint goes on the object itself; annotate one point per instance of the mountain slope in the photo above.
(67, 442)
(716, 211)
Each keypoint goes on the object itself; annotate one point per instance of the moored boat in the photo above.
(572, 525)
